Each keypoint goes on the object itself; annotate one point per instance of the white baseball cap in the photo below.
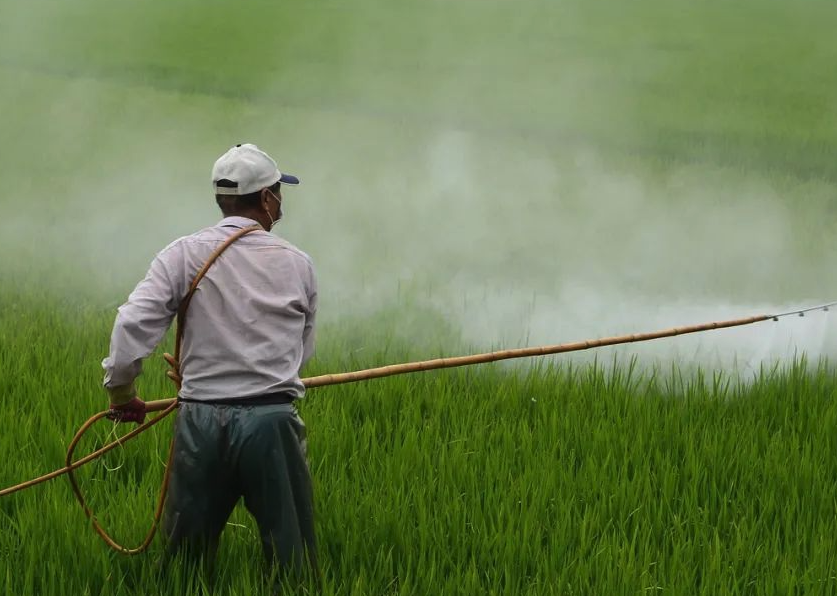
(250, 168)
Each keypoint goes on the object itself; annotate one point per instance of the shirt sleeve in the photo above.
(308, 332)
(140, 325)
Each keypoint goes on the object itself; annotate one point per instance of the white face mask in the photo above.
(273, 222)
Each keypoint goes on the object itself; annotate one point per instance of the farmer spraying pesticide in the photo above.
(244, 303)
(248, 328)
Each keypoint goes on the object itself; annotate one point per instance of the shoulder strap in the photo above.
(184, 304)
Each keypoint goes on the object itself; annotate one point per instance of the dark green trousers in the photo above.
(222, 453)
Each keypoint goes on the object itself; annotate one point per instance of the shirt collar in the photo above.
(236, 221)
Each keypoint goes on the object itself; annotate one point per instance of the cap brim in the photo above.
(288, 179)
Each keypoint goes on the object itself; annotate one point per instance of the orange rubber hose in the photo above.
(161, 501)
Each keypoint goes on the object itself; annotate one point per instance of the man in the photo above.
(249, 329)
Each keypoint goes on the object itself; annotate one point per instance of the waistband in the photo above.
(267, 399)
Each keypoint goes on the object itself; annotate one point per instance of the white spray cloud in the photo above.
(512, 234)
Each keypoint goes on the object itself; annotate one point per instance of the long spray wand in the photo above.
(439, 363)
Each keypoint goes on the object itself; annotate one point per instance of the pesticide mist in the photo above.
(512, 219)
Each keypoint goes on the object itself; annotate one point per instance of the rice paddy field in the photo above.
(476, 175)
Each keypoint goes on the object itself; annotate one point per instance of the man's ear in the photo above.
(263, 197)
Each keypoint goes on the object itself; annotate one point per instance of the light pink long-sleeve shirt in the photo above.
(249, 327)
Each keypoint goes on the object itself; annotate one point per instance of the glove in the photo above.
(132, 411)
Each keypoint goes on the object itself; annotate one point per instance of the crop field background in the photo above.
(476, 174)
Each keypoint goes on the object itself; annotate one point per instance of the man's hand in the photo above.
(132, 411)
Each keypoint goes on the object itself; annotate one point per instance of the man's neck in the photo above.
(255, 217)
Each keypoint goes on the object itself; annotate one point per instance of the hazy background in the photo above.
(515, 173)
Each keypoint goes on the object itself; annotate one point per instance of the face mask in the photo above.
(273, 222)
